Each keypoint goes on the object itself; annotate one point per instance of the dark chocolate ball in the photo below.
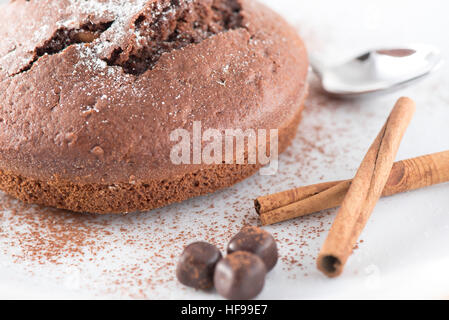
(197, 265)
(240, 276)
(257, 241)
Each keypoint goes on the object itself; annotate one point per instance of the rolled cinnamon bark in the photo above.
(365, 191)
(405, 176)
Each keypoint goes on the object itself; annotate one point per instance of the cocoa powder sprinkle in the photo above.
(134, 255)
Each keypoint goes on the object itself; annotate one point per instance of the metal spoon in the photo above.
(378, 70)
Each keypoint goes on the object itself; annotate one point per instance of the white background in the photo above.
(405, 249)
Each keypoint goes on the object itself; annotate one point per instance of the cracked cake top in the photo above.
(132, 34)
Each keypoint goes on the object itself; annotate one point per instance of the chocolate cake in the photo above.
(90, 92)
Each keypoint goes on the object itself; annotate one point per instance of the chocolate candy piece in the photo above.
(197, 264)
(257, 241)
(240, 276)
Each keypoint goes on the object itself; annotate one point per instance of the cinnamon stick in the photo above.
(406, 175)
(365, 191)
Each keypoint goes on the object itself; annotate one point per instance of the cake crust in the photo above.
(90, 92)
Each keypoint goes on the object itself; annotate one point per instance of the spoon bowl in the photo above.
(378, 70)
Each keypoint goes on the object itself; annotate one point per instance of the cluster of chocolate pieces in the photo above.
(240, 275)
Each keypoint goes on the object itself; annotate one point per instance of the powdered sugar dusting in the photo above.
(119, 11)
(66, 14)
(116, 27)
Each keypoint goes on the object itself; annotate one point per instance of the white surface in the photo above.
(405, 250)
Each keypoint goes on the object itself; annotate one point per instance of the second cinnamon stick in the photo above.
(405, 176)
